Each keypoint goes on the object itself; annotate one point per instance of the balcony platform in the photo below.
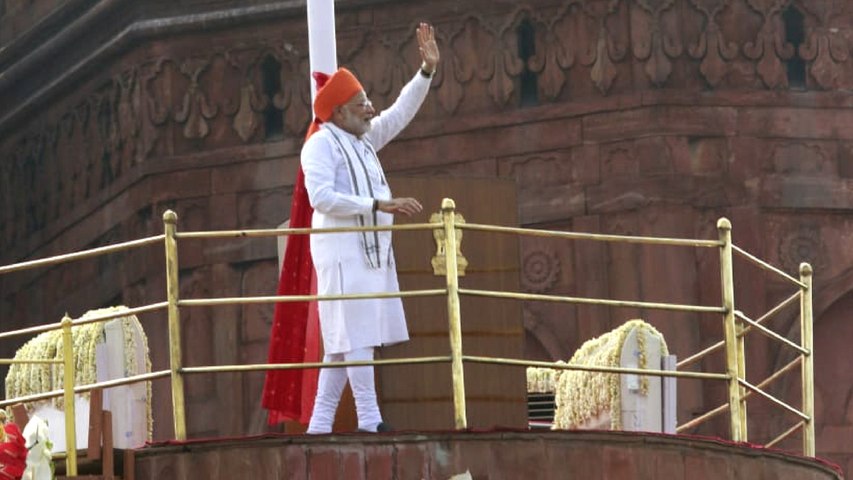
(490, 455)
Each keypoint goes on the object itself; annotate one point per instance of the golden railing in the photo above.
(67, 392)
(736, 324)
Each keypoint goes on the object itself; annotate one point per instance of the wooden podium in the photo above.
(419, 397)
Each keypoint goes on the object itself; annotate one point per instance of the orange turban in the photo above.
(339, 88)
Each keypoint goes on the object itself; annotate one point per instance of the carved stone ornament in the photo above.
(439, 260)
(711, 47)
(825, 47)
(540, 271)
(556, 56)
(655, 45)
(606, 50)
(195, 108)
(803, 244)
(770, 47)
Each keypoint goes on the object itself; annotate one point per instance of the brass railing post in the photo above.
(448, 214)
(170, 221)
(806, 324)
(734, 343)
(68, 398)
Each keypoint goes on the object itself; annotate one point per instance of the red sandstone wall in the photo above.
(564, 455)
(650, 118)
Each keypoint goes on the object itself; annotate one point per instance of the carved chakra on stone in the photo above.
(803, 244)
(541, 270)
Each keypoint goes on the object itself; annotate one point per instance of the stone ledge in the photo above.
(493, 455)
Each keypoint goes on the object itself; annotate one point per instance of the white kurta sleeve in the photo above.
(319, 166)
(391, 121)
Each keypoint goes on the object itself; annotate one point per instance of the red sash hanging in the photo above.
(295, 335)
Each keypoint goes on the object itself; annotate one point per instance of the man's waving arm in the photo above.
(390, 122)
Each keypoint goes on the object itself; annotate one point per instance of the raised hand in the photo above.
(427, 47)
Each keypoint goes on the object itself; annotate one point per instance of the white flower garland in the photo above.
(543, 380)
(580, 395)
(3, 417)
(30, 379)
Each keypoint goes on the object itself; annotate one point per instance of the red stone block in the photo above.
(706, 156)
(324, 463)
(294, 462)
(521, 461)
(653, 155)
(353, 465)
(269, 460)
(699, 465)
(668, 464)
(590, 259)
(796, 123)
(845, 160)
(551, 203)
(475, 168)
(379, 462)
(199, 411)
(475, 457)
(577, 460)
(257, 318)
(619, 160)
(809, 158)
(223, 210)
(233, 463)
(586, 164)
(619, 462)
(181, 184)
(411, 461)
(471, 145)
(534, 170)
(254, 176)
(262, 209)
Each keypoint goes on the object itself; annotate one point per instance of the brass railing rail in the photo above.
(595, 368)
(770, 333)
(787, 433)
(719, 345)
(277, 232)
(84, 320)
(207, 302)
(142, 377)
(12, 361)
(774, 399)
(68, 257)
(591, 301)
(67, 391)
(683, 242)
(724, 407)
(766, 266)
(700, 355)
(304, 365)
(736, 324)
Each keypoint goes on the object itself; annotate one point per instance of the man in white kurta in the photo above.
(347, 187)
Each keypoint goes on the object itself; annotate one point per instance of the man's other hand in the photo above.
(406, 206)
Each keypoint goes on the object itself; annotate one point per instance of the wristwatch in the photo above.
(424, 71)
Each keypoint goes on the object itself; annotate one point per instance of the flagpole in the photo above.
(322, 52)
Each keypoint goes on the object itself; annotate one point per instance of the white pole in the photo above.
(322, 53)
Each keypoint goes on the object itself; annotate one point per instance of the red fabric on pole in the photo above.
(295, 335)
(283, 389)
(313, 353)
